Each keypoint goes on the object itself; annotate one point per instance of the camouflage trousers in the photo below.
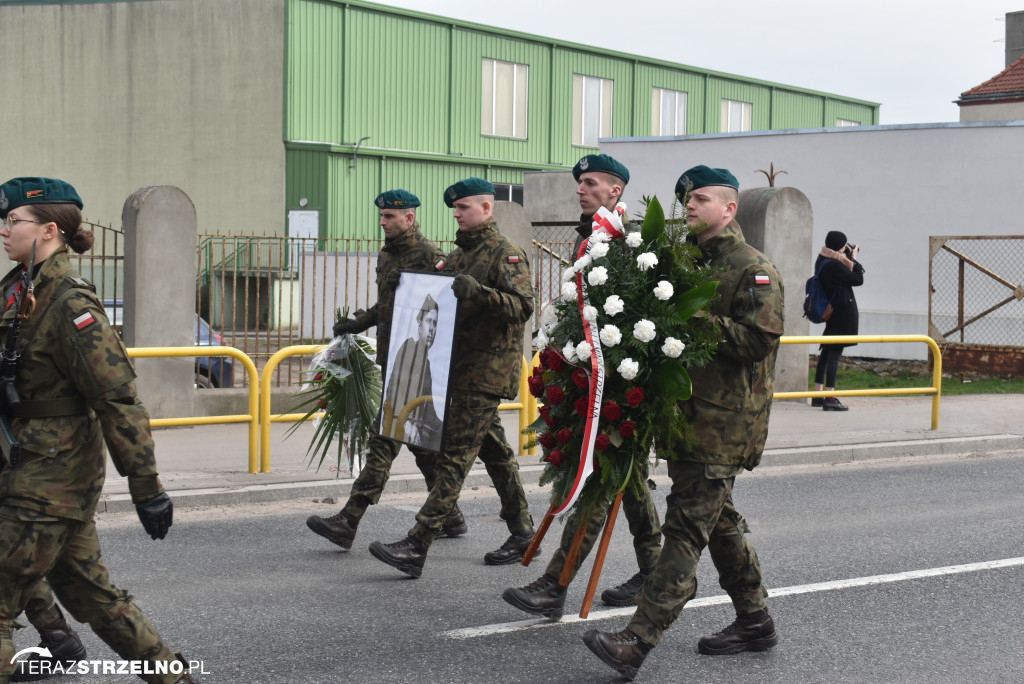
(41, 608)
(642, 517)
(473, 429)
(67, 554)
(700, 513)
(380, 454)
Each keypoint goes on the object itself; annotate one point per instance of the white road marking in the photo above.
(537, 623)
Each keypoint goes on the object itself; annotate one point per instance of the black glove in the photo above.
(467, 287)
(347, 325)
(156, 515)
(392, 278)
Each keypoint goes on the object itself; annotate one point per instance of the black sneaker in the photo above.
(544, 597)
(623, 651)
(751, 632)
(407, 555)
(832, 404)
(512, 550)
(455, 524)
(65, 648)
(816, 402)
(625, 593)
(339, 528)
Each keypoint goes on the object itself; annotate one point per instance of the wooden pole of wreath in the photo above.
(602, 551)
(531, 550)
(574, 552)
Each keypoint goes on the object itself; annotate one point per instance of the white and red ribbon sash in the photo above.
(611, 224)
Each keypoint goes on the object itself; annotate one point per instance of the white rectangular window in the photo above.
(668, 112)
(504, 88)
(591, 109)
(847, 122)
(736, 116)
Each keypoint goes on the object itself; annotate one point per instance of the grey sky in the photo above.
(913, 57)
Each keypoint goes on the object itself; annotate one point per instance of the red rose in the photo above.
(627, 428)
(564, 435)
(555, 457)
(579, 376)
(611, 411)
(582, 406)
(635, 396)
(557, 362)
(538, 372)
(545, 359)
(545, 413)
(536, 386)
(555, 394)
(602, 442)
(547, 440)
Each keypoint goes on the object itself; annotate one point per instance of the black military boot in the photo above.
(750, 632)
(623, 650)
(512, 550)
(455, 524)
(544, 597)
(65, 648)
(407, 555)
(339, 528)
(625, 593)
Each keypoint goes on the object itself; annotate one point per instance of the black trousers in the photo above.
(828, 364)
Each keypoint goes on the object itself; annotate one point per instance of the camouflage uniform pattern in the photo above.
(48, 501)
(729, 411)
(410, 251)
(41, 607)
(487, 366)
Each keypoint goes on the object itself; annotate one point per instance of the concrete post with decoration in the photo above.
(514, 222)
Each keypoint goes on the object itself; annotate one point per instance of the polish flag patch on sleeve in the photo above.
(83, 321)
(762, 280)
(513, 259)
(439, 265)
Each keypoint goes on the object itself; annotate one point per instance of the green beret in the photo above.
(703, 176)
(397, 199)
(602, 163)
(466, 188)
(18, 192)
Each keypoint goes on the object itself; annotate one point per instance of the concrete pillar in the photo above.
(779, 222)
(1014, 36)
(160, 294)
(513, 222)
(550, 196)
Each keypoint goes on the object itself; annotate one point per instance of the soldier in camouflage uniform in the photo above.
(601, 181)
(405, 249)
(729, 411)
(496, 300)
(77, 391)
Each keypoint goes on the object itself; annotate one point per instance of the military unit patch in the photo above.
(33, 193)
(83, 321)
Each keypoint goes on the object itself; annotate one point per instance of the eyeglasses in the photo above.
(9, 222)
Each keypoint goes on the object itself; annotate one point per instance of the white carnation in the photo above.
(569, 290)
(646, 260)
(568, 275)
(582, 262)
(598, 276)
(599, 250)
(634, 240)
(541, 340)
(672, 348)
(590, 313)
(628, 368)
(548, 318)
(583, 350)
(610, 335)
(614, 305)
(643, 330)
(599, 236)
(569, 351)
(664, 290)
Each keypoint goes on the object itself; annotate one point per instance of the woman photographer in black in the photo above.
(839, 275)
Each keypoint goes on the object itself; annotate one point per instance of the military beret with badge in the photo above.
(397, 199)
(467, 188)
(602, 163)
(704, 176)
(18, 192)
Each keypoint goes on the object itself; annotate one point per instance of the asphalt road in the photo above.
(258, 598)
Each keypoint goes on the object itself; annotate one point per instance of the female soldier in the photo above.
(71, 389)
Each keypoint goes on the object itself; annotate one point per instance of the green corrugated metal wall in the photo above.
(406, 87)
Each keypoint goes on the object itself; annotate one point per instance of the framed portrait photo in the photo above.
(420, 351)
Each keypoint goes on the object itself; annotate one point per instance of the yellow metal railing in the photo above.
(935, 389)
(212, 350)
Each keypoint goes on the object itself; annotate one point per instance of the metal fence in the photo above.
(103, 265)
(975, 308)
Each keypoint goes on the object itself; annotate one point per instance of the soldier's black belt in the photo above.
(50, 408)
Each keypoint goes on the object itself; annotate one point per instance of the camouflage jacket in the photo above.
(69, 350)
(489, 341)
(732, 394)
(407, 252)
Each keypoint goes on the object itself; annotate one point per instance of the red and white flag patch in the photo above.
(83, 321)
(762, 280)
(513, 259)
(439, 265)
